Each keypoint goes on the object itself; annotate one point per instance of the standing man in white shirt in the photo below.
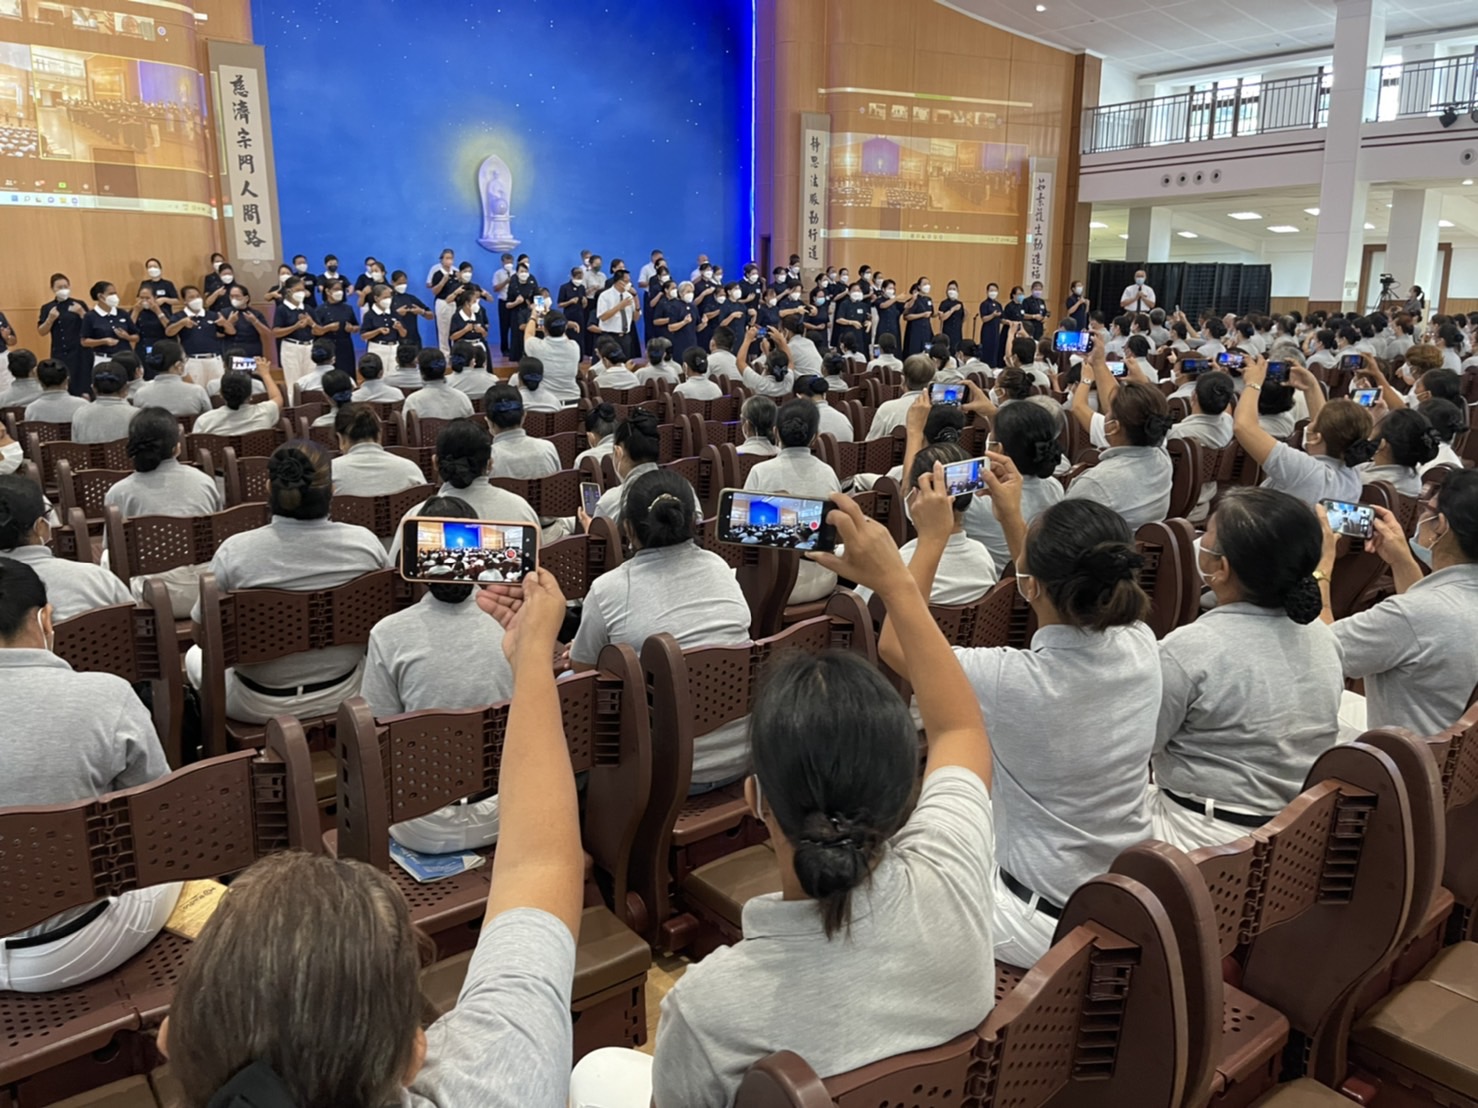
(649, 270)
(617, 311)
(501, 277)
(1138, 297)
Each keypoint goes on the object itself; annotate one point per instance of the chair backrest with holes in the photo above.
(422, 430)
(380, 514)
(554, 496)
(246, 478)
(694, 692)
(42, 432)
(423, 456)
(999, 618)
(569, 444)
(71, 540)
(144, 545)
(577, 560)
(543, 425)
(1458, 764)
(250, 444)
(138, 644)
(85, 488)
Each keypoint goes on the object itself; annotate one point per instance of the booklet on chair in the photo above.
(433, 867)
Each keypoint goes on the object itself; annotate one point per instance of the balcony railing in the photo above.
(1251, 107)
(1426, 88)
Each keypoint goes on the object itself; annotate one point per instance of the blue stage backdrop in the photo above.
(622, 126)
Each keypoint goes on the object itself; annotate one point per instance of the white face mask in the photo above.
(227, 278)
(523, 275)
(687, 298)
(855, 295)
(154, 271)
(336, 296)
(377, 274)
(196, 304)
(924, 289)
(41, 626)
(383, 305)
(795, 294)
(301, 267)
(239, 305)
(990, 294)
(400, 289)
(705, 273)
(111, 300)
(1139, 279)
(507, 267)
(1205, 577)
(465, 275)
(720, 297)
(1077, 290)
(578, 282)
(63, 294)
(299, 297)
(820, 300)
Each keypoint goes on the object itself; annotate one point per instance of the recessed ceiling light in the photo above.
(1389, 205)
(1444, 223)
(1095, 225)
(1370, 226)
(1283, 229)
(1244, 215)
(1468, 182)
(1312, 211)
(1041, 7)
(1123, 236)
(1188, 234)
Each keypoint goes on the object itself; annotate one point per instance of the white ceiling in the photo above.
(1161, 36)
(1210, 222)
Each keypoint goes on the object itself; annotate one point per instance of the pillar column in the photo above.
(1149, 235)
(1411, 246)
(1359, 39)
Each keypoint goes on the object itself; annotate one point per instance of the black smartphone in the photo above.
(967, 476)
(1366, 398)
(773, 519)
(467, 551)
(1230, 360)
(948, 394)
(1352, 361)
(1278, 372)
(1355, 520)
(1072, 342)
(1193, 367)
(589, 497)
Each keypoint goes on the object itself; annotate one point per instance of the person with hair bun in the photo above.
(338, 386)
(436, 399)
(797, 472)
(515, 452)
(669, 584)
(238, 415)
(1251, 689)
(1336, 440)
(757, 420)
(374, 388)
(777, 378)
(300, 550)
(697, 385)
(1068, 800)
(610, 369)
(109, 416)
(1133, 476)
(885, 879)
(54, 404)
(23, 387)
(469, 366)
(168, 388)
(1407, 441)
(833, 421)
(71, 587)
(635, 447)
(406, 373)
(660, 364)
(364, 467)
(600, 433)
(1210, 425)
(1447, 419)
(529, 383)
(1417, 651)
(1030, 434)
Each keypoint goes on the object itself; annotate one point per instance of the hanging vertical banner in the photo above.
(248, 180)
(1038, 226)
(815, 161)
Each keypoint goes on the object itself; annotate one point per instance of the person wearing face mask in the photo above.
(1417, 651)
(275, 295)
(216, 287)
(574, 302)
(212, 279)
(675, 315)
(329, 275)
(162, 288)
(1078, 305)
(521, 293)
(364, 284)
(335, 321)
(1138, 297)
(150, 316)
(382, 330)
(734, 313)
(890, 313)
(106, 330)
(792, 303)
(443, 282)
(709, 301)
(1251, 690)
(851, 317)
(292, 323)
(1014, 315)
(502, 278)
(244, 326)
(817, 320)
(1133, 477)
(751, 287)
(1407, 441)
(64, 737)
(918, 319)
(952, 316)
(469, 322)
(198, 330)
(310, 282)
(649, 270)
(408, 308)
(1034, 311)
(652, 298)
(991, 311)
(25, 534)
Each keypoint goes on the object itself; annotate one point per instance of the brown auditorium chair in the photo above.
(48, 455)
(658, 407)
(323, 434)
(310, 412)
(407, 766)
(570, 445)
(707, 473)
(716, 433)
(1229, 466)
(71, 541)
(1169, 575)
(26, 429)
(247, 480)
(208, 820)
(138, 644)
(84, 489)
(635, 394)
(1357, 570)
(757, 569)
(556, 496)
(1100, 1020)
(12, 416)
(422, 431)
(577, 560)
(250, 444)
(543, 425)
(999, 618)
(1180, 407)
(723, 410)
(702, 857)
(423, 456)
(145, 545)
(309, 396)
(260, 625)
(1185, 477)
(392, 420)
(735, 466)
(381, 514)
(849, 459)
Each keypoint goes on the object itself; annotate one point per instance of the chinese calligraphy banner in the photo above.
(815, 161)
(1038, 224)
(248, 185)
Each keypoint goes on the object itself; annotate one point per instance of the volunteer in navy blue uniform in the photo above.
(575, 304)
(652, 303)
(952, 316)
(890, 313)
(364, 284)
(469, 322)
(818, 317)
(245, 327)
(216, 287)
(408, 308)
(1013, 313)
(441, 280)
(329, 275)
(918, 315)
(521, 292)
(310, 282)
(751, 288)
(164, 289)
(61, 318)
(734, 313)
(674, 318)
(198, 331)
(292, 323)
(705, 307)
(1077, 306)
(991, 311)
(106, 330)
(336, 321)
(1034, 311)
(382, 330)
(212, 281)
(767, 310)
(150, 316)
(851, 317)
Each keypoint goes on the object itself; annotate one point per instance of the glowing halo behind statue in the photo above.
(495, 187)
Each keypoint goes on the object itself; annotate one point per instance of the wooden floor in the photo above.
(666, 969)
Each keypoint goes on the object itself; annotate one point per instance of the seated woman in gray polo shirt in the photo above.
(515, 452)
(161, 486)
(669, 584)
(108, 417)
(238, 414)
(1072, 720)
(1133, 476)
(1407, 441)
(169, 389)
(300, 550)
(1418, 650)
(636, 447)
(1029, 433)
(798, 472)
(436, 399)
(405, 670)
(757, 421)
(364, 467)
(1210, 425)
(67, 736)
(338, 387)
(600, 433)
(1336, 440)
(1252, 688)
(885, 911)
(72, 587)
(469, 365)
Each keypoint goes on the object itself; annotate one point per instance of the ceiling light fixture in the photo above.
(1469, 182)
(1123, 236)
(1041, 7)
(1312, 211)
(1096, 226)
(1244, 215)
(1445, 223)
(1370, 226)
(1188, 234)
(1283, 229)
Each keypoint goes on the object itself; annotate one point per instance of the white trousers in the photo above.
(1187, 830)
(250, 706)
(452, 829)
(612, 1077)
(1022, 932)
(444, 310)
(127, 926)
(181, 583)
(202, 371)
(297, 361)
(386, 353)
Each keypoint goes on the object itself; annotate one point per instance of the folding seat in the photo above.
(543, 425)
(85, 490)
(246, 479)
(249, 444)
(707, 472)
(422, 430)
(381, 514)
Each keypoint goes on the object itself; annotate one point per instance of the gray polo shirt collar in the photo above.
(27, 658)
(28, 554)
(772, 917)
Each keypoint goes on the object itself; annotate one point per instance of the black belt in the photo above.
(1238, 819)
(56, 934)
(1025, 893)
(296, 690)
